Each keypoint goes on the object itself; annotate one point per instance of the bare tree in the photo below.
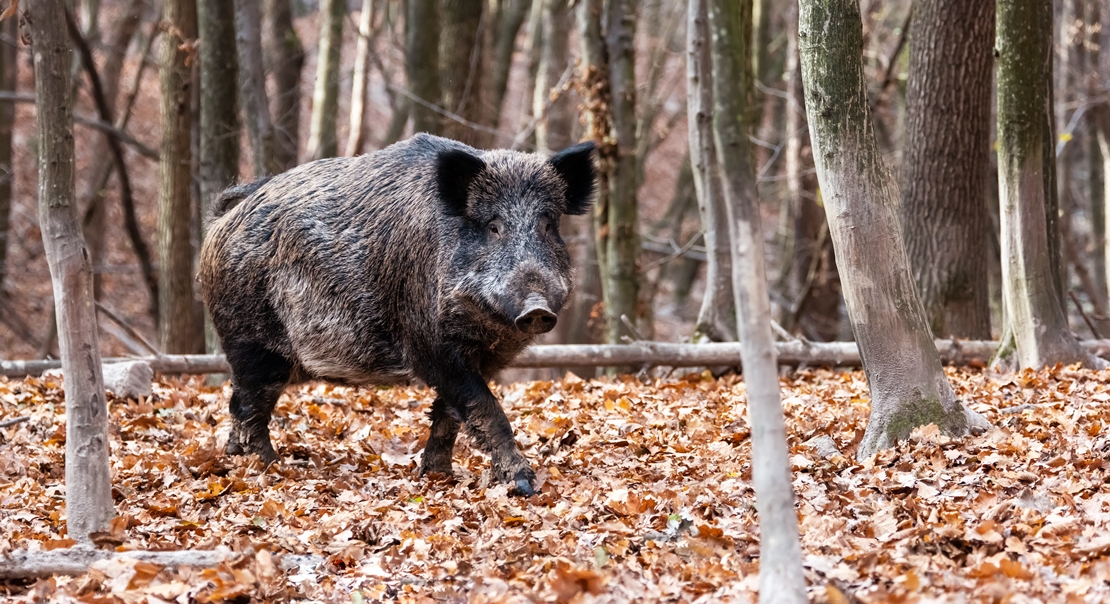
(908, 385)
(621, 267)
(323, 140)
(252, 87)
(287, 55)
(553, 131)
(175, 250)
(460, 65)
(8, 68)
(717, 317)
(781, 578)
(509, 17)
(88, 479)
(1035, 313)
(946, 162)
(422, 63)
(356, 136)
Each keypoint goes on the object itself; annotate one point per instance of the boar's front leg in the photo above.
(441, 441)
(490, 429)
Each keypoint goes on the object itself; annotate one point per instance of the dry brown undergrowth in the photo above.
(646, 496)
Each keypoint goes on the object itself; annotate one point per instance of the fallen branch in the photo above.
(13, 421)
(77, 560)
(659, 354)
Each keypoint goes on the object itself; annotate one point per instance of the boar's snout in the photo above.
(536, 318)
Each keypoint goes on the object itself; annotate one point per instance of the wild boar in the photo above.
(427, 260)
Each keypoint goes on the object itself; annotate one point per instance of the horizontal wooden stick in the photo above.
(76, 560)
(666, 354)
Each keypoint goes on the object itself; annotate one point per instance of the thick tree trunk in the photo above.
(252, 87)
(512, 15)
(323, 140)
(288, 59)
(781, 578)
(908, 386)
(946, 161)
(219, 112)
(460, 62)
(716, 320)
(553, 130)
(88, 478)
(1033, 304)
(816, 312)
(175, 250)
(356, 136)
(422, 63)
(621, 267)
(8, 69)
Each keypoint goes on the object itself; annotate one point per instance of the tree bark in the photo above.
(908, 386)
(422, 63)
(323, 140)
(8, 72)
(716, 320)
(553, 130)
(219, 113)
(460, 61)
(175, 250)
(252, 88)
(781, 578)
(288, 59)
(1033, 304)
(621, 267)
(356, 136)
(512, 15)
(88, 478)
(946, 162)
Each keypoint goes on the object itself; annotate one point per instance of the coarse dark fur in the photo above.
(427, 259)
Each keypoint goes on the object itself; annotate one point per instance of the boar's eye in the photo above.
(546, 225)
(493, 229)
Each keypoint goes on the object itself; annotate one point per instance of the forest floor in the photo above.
(646, 496)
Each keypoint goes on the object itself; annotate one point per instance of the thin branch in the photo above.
(13, 421)
(131, 331)
(92, 122)
(126, 196)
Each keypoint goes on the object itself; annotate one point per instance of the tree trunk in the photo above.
(422, 63)
(8, 72)
(816, 309)
(322, 138)
(1035, 312)
(553, 130)
(219, 112)
(781, 578)
(716, 320)
(908, 386)
(533, 50)
(88, 478)
(512, 16)
(288, 60)
(621, 268)
(1096, 181)
(356, 136)
(460, 61)
(175, 250)
(252, 88)
(946, 161)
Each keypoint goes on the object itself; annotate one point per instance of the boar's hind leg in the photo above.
(441, 441)
(490, 429)
(258, 378)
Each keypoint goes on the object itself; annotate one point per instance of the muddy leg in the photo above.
(487, 425)
(258, 378)
(441, 442)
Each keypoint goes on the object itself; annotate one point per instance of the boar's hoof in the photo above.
(521, 481)
(239, 443)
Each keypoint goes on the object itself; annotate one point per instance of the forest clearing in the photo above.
(646, 496)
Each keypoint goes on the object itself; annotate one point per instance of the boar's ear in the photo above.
(455, 170)
(576, 167)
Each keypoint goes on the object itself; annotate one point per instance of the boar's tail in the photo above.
(230, 197)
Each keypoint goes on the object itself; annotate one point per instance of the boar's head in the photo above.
(510, 264)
